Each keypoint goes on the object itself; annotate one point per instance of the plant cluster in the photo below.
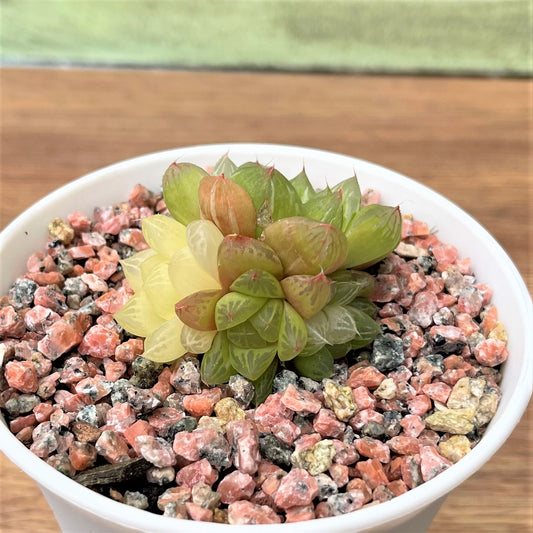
(253, 268)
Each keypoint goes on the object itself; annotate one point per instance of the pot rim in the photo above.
(397, 509)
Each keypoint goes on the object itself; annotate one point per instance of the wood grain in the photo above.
(468, 139)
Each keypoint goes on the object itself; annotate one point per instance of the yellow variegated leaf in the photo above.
(137, 316)
(164, 234)
(164, 344)
(187, 276)
(132, 268)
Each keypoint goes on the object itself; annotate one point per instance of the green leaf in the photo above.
(292, 333)
(306, 246)
(318, 366)
(339, 350)
(255, 282)
(374, 232)
(224, 166)
(366, 328)
(234, 308)
(272, 194)
(216, 366)
(363, 281)
(251, 362)
(351, 200)
(366, 306)
(263, 384)
(180, 191)
(246, 336)
(343, 292)
(341, 325)
(317, 329)
(307, 294)
(237, 254)
(281, 200)
(326, 209)
(267, 321)
(303, 187)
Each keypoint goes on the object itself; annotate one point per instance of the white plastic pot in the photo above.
(80, 510)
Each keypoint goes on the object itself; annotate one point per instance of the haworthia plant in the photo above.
(270, 264)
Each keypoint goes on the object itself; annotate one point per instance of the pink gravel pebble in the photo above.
(155, 450)
(99, 342)
(236, 486)
(297, 488)
(21, 375)
(245, 512)
(199, 471)
(432, 463)
(300, 401)
(491, 352)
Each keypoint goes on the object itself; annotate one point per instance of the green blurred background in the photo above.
(472, 37)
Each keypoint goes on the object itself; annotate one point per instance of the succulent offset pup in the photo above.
(255, 269)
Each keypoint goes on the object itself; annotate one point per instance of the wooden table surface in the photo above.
(469, 139)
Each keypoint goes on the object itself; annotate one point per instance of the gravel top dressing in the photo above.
(77, 391)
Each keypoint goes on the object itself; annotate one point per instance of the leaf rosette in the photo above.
(252, 271)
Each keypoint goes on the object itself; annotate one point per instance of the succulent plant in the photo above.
(255, 270)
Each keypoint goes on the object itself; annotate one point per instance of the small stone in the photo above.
(145, 372)
(135, 499)
(346, 502)
(404, 445)
(185, 376)
(392, 422)
(82, 455)
(236, 486)
(449, 421)
(22, 404)
(316, 459)
(299, 401)
(61, 462)
(275, 451)
(161, 476)
(425, 305)
(283, 379)
(299, 514)
(21, 293)
(326, 486)
(367, 376)
(59, 229)
(205, 497)
(21, 375)
(228, 409)
(387, 389)
(327, 424)
(447, 339)
(466, 394)
(373, 449)
(99, 342)
(455, 448)
(297, 488)
(11, 323)
(245, 512)
(243, 437)
(112, 447)
(432, 463)
(241, 389)
(340, 399)
(488, 404)
(199, 471)
(174, 494)
(387, 352)
(155, 450)
(491, 352)
(372, 472)
(198, 513)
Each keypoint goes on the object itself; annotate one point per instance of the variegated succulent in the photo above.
(253, 269)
